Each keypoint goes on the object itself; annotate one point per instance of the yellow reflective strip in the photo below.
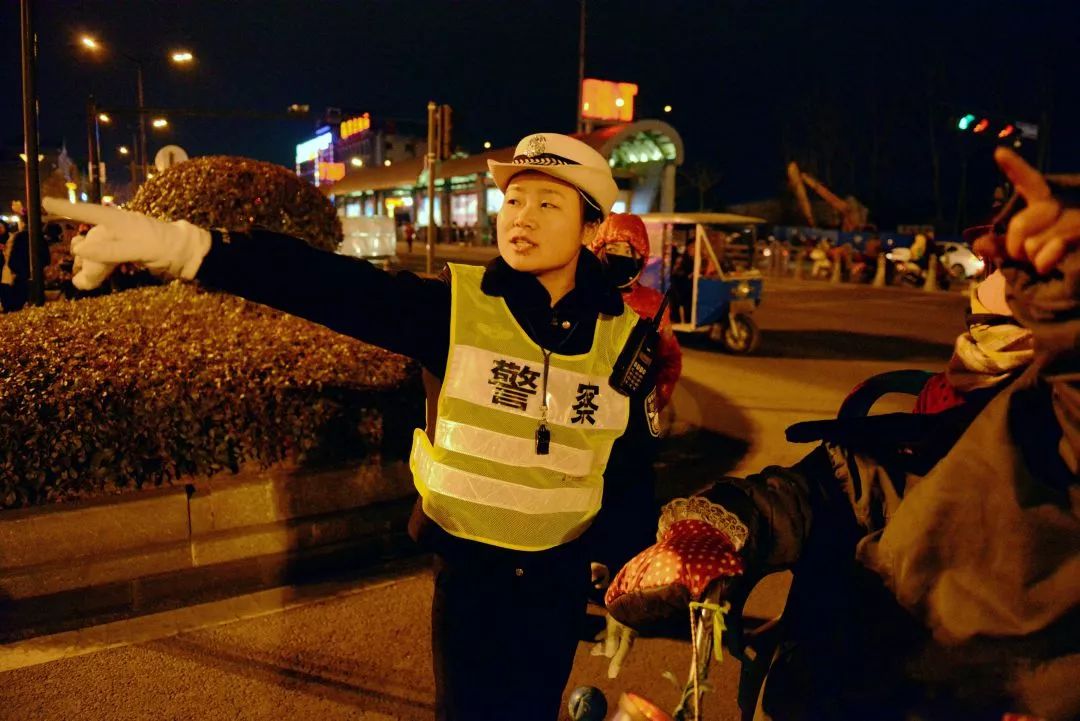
(471, 371)
(511, 450)
(443, 479)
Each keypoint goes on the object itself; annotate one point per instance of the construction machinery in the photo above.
(853, 214)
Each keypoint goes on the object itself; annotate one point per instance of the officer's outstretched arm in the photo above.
(401, 313)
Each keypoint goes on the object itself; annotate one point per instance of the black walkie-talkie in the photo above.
(635, 364)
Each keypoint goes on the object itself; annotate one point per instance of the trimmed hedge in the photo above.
(222, 191)
(144, 387)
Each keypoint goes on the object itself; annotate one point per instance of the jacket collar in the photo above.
(592, 292)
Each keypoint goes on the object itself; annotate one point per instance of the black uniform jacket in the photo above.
(410, 315)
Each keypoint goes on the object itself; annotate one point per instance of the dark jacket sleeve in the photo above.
(1050, 306)
(400, 312)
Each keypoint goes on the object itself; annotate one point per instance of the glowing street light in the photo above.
(123, 150)
(667, 108)
(104, 118)
(386, 162)
(357, 162)
(487, 145)
(179, 56)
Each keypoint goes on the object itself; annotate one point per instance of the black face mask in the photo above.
(622, 270)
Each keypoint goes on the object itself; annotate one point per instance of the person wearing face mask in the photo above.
(994, 349)
(622, 244)
(533, 464)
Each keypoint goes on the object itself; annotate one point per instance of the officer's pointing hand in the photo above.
(121, 236)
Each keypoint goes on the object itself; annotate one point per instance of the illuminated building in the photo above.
(643, 156)
(345, 141)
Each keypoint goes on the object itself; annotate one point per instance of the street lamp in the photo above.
(487, 145)
(667, 108)
(160, 123)
(104, 118)
(123, 150)
(178, 57)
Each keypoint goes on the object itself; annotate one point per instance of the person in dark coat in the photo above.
(17, 292)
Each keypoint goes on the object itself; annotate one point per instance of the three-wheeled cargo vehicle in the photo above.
(706, 260)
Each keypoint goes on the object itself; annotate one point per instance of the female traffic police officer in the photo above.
(535, 465)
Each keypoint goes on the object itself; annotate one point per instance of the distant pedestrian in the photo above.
(16, 292)
(409, 231)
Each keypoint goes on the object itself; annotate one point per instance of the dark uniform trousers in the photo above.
(505, 635)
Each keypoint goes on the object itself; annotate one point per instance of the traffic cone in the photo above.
(930, 285)
(836, 270)
(879, 276)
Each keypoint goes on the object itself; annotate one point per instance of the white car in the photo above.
(959, 260)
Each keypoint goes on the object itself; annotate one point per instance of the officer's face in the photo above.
(540, 224)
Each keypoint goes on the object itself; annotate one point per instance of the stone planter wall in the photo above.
(62, 565)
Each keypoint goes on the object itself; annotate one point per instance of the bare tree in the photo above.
(702, 178)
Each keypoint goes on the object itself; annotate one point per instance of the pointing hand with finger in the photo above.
(121, 236)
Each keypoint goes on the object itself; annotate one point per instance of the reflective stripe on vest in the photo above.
(482, 478)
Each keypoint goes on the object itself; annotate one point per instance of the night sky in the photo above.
(856, 91)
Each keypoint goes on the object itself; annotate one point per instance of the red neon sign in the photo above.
(607, 100)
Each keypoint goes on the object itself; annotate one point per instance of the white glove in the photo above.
(615, 642)
(121, 236)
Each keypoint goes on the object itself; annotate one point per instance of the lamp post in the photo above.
(177, 57)
(30, 148)
(93, 144)
(142, 115)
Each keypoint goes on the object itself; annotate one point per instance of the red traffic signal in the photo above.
(1007, 131)
(981, 126)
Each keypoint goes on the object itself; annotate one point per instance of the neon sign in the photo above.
(352, 126)
(330, 172)
(309, 149)
(607, 100)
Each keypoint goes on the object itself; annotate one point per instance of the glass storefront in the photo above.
(494, 200)
(422, 211)
(463, 209)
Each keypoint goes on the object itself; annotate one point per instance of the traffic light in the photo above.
(997, 129)
(446, 126)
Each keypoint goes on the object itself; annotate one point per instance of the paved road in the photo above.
(358, 649)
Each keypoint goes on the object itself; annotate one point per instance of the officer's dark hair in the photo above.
(590, 210)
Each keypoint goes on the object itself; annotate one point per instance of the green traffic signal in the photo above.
(965, 122)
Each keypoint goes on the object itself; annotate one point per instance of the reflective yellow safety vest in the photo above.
(482, 478)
